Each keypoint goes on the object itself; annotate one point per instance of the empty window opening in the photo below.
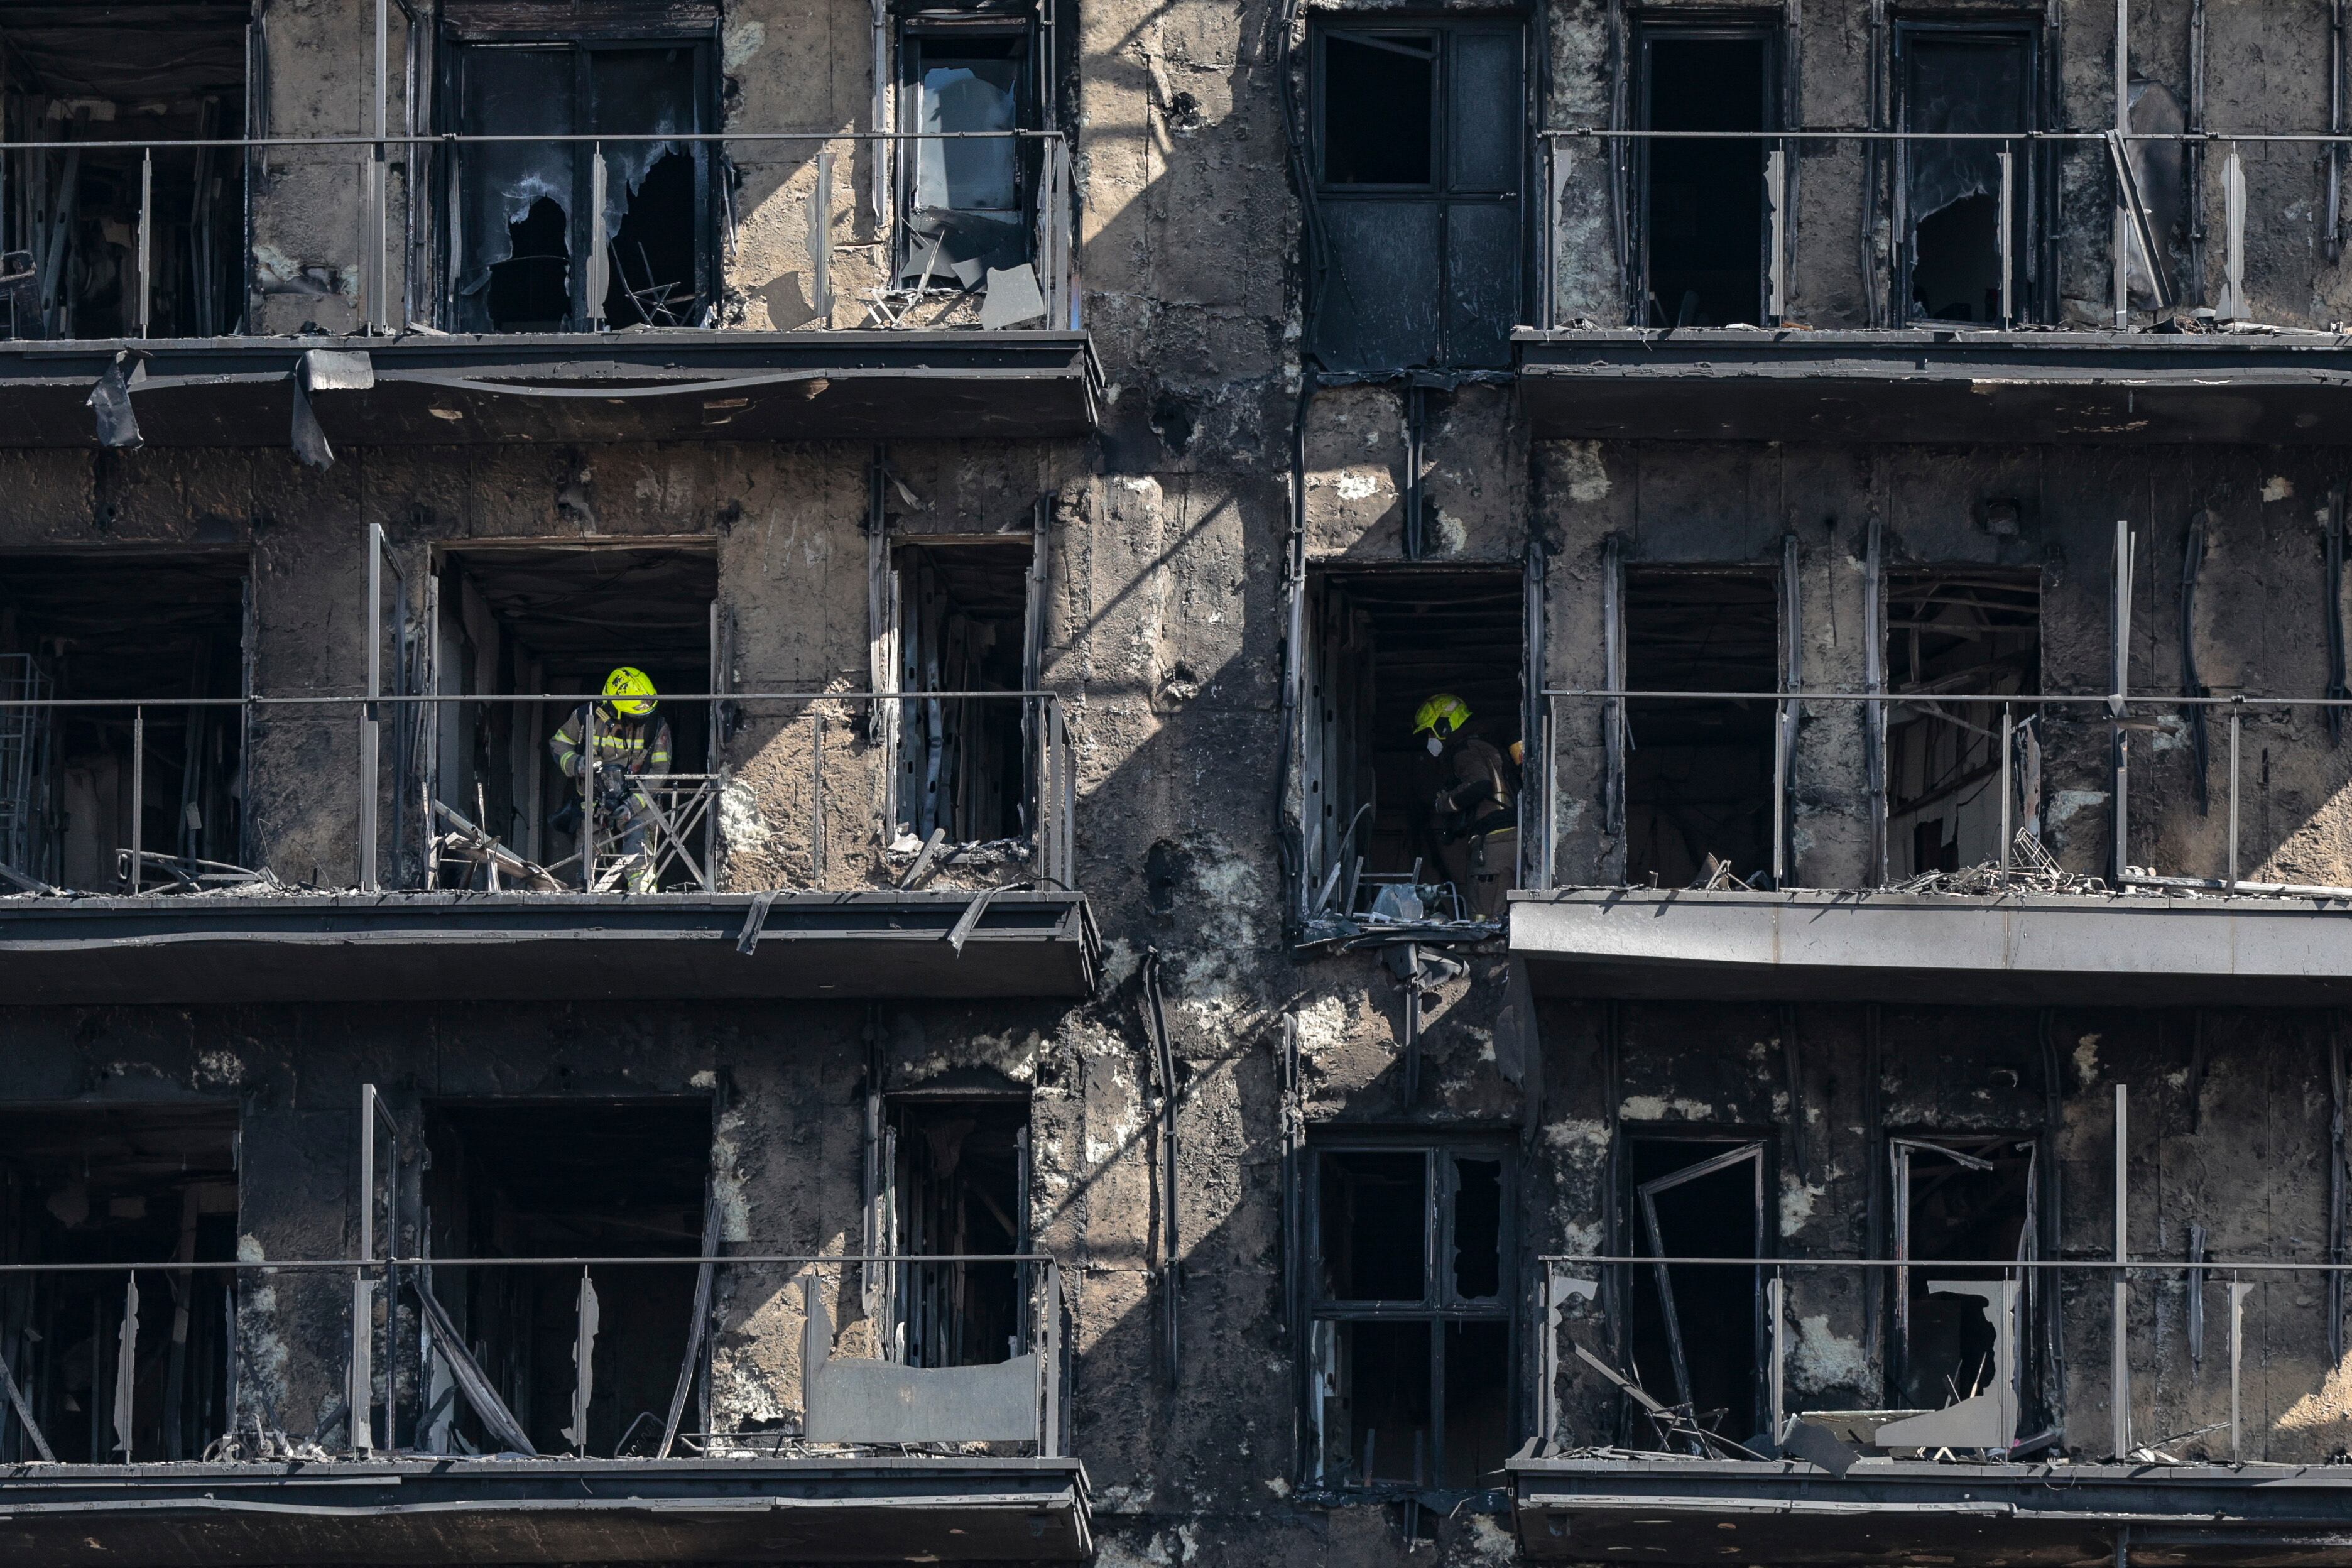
(1970, 83)
(966, 197)
(1966, 1200)
(122, 625)
(1412, 1339)
(1707, 232)
(1954, 634)
(528, 254)
(1417, 158)
(1695, 1335)
(963, 617)
(151, 1184)
(518, 620)
(1699, 772)
(69, 226)
(1382, 644)
(1380, 107)
(572, 1178)
(960, 1189)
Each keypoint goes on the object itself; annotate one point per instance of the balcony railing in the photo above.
(401, 268)
(831, 744)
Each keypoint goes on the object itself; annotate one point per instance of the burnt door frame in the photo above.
(1732, 1146)
(1767, 29)
(2034, 246)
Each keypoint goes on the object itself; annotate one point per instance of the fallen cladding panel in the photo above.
(543, 947)
(437, 1511)
(1968, 1515)
(2128, 950)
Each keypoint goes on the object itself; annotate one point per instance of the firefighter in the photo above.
(632, 740)
(1473, 816)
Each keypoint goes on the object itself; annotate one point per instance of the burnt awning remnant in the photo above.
(2019, 948)
(667, 385)
(540, 947)
(436, 1508)
(1946, 386)
(1594, 1510)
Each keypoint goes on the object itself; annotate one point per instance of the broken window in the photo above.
(1965, 633)
(966, 199)
(123, 626)
(1697, 1332)
(1700, 771)
(525, 253)
(1706, 231)
(110, 1377)
(1418, 157)
(70, 238)
(958, 1189)
(571, 1178)
(1965, 1200)
(1955, 250)
(962, 614)
(518, 620)
(1412, 1307)
(1379, 644)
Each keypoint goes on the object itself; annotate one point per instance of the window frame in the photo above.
(1441, 189)
(1441, 1152)
(457, 47)
(1741, 28)
(911, 30)
(2033, 249)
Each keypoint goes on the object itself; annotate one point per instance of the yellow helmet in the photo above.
(1444, 710)
(631, 691)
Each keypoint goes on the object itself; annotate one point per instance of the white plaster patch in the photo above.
(1795, 1202)
(2065, 803)
(705, 1078)
(1578, 465)
(1570, 1136)
(1322, 1024)
(1277, 1486)
(742, 40)
(1488, 1542)
(1665, 1108)
(727, 1179)
(2086, 1060)
(2278, 487)
(1133, 1497)
(219, 1068)
(738, 816)
(1119, 962)
(2328, 1406)
(1453, 536)
(1357, 485)
(1828, 1358)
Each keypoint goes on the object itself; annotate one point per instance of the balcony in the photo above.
(449, 325)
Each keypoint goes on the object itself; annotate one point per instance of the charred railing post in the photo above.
(2119, 1352)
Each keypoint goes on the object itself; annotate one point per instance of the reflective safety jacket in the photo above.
(638, 746)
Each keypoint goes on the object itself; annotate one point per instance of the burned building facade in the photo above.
(1028, 1070)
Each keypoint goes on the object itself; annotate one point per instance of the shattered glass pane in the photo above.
(518, 92)
(964, 196)
(1953, 196)
(973, 175)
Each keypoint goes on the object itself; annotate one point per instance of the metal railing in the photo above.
(1584, 1309)
(406, 1343)
(406, 263)
(2020, 177)
(841, 737)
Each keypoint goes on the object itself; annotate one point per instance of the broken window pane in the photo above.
(1706, 234)
(653, 190)
(575, 1178)
(122, 626)
(965, 197)
(1477, 1229)
(517, 197)
(1965, 632)
(1375, 1226)
(1693, 1335)
(1379, 98)
(1699, 775)
(960, 1191)
(1970, 83)
(1966, 1199)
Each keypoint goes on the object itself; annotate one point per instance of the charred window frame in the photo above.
(966, 207)
(954, 1164)
(1667, 227)
(1688, 1194)
(1947, 197)
(638, 80)
(1423, 213)
(1412, 1263)
(1971, 1197)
